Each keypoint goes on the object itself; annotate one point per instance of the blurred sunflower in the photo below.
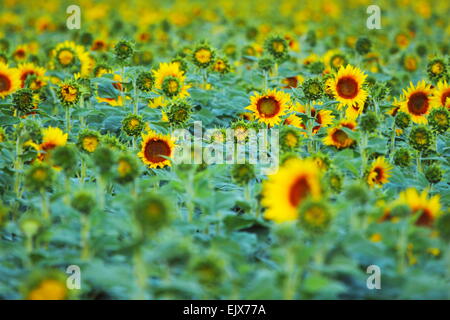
(70, 56)
(322, 117)
(285, 191)
(154, 146)
(379, 172)
(347, 86)
(338, 137)
(170, 80)
(441, 95)
(26, 71)
(419, 203)
(417, 102)
(9, 80)
(270, 106)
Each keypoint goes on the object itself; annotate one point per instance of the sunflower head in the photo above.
(277, 47)
(104, 159)
(145, 81)
(347, 86)
(24, 101)
(437, 69)
(123, 50)
(402, 120)
(369, 121)
(242, 174)
(363, 45)
(47, 286)
(439, 119)
(221, 65)
(170, 80)
(101, 69)
(337, 135)
(69, 93)
(283, 192)
(420, 138)
(84, 202)
(441, 97)
(127, 168)
(65, 157)
(379, 172)
(39, 176)
(133, 125)
(290, 139)
(155, 149)
(266, 64)
(402, 157)
(179, 112)
(315, 216)
(313, 89)
(152, 212)
(88, 140)
(181, 62)
(433, 173)
(9, 80)
(270, 106)
(417, 102)
(203, 55)
(209, 269)
(427, 209)
(334, 180)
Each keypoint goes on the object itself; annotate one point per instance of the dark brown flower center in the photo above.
(5, 83)
(418, 103)
(340, 136)
(155, 149)
(347, 88)
(268, 107)
(444, 97)
(299, 190)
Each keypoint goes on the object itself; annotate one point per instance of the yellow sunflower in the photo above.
(338, 137)
(21, 53)
(51, 138)
(270, 106)
(9, 80)
(347, 86)
(154, 148)
(417, 102)
(70, 55)
(284, 191)
(26, 70)
(430, 208)
(170, 79)
(353, 112)
(322, 117)
(379, 172)
(441, 95)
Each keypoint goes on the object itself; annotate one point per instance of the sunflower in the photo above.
(270, 106)
(203, 56)
(28, 70)
(49, 289)
(21, 53)
(51, 138)
(292, 82)
(379, 172)
(69, 93)
(338, 137)
(334, 59)
(322, 117)
(441, 95)
(347, 86)
(154, 147)
(170, 79)
(9, 80)
(354, 111)
(429, 208)
(69, 55)
(285, 191)
(417, 102)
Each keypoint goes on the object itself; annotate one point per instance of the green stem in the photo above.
(140, 273)
(45, 206)
(68, 119)
(85, 229)
(419, 162)
(362, 150)
(136, 98)
(392, 147)
(18, 168)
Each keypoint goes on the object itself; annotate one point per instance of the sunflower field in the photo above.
(101, 198)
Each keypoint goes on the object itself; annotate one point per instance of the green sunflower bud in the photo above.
(84, 202)
(315, 216)
(66, 157)
(368, 122)
(242, 174)
(433, 173)
(402, 120)
(152, 212)
(69, 93)
(277, 47)
(289, 139)
(363, 45)
(313, 89)
(88, 140)
(179, 113)
(439, 119)
(437, 69)
(127, 168)
(23, 100)
(39, 176)
(203, 55)
(123, 50)
(420, 138)
(133, 125)
(402, 157)
(145, 81)
(334, 180)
